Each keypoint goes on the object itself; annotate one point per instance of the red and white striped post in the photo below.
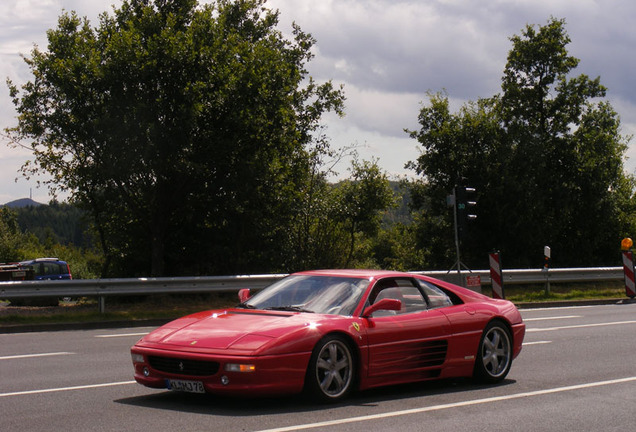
(628, 267)
(496, 278)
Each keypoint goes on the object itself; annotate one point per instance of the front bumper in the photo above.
(280, 374)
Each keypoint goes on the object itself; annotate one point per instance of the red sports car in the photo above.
(332, 331)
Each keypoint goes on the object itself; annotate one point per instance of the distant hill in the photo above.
(56, 222)
(401, 213)
(23, 202)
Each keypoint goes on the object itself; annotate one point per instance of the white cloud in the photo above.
(389, 54)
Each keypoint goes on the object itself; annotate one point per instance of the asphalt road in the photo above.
(577, 371)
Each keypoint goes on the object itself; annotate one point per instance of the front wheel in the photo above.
(494, 357)
(331, 371)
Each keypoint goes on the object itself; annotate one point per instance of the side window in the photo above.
(436, 297)
(404, 290)
(51, 268)
(38, 269)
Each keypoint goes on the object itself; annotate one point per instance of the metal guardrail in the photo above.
(103, 288)
(139, 286)
(534, 276)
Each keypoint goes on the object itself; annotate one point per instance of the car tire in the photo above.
(331, 371)
(494, 356)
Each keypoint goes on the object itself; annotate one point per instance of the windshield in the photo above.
(319, 294)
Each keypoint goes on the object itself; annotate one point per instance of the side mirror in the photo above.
(244, 295)
(384, 304)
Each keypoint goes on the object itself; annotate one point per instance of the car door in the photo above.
(409, 344)
(466, 322)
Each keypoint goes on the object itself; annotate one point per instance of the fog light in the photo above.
(225, 380)
(146, 372)
(235, 367)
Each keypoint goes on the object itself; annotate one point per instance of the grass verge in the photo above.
(562, 292)
(117, 309)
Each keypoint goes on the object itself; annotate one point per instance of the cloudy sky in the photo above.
(387, 53)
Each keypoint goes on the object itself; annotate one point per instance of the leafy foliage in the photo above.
(183, 130)
(546, 157)
(10, 236)
(190, 137)
(19, 244)
(335, 222)
(56, 222)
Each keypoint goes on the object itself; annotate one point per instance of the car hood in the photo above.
(239, 329)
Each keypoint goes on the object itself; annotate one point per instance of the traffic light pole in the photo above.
(459, 261)
(456, 201)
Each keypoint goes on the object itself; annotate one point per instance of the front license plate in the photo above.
(185, 386)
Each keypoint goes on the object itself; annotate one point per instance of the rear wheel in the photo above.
(494, 357)
(331, 371)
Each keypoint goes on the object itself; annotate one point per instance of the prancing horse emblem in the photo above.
(181, 366)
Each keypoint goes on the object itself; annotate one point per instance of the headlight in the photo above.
(137, 358)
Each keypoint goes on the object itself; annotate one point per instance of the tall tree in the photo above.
(546, 156)
(182, 128)
(568, 155)
(10, 236)
(333, 221)
(364, 197)
(465, 148)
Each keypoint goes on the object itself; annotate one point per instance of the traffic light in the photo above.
(465, 206)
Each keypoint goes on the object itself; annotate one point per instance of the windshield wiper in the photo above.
(245, 306)
(289, 308)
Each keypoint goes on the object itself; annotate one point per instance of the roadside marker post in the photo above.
(496, 276)
(547, 254)
(628, 268)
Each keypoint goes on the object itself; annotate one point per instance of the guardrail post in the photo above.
(101, 302)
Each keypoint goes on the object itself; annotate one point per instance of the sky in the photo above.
(388, 54)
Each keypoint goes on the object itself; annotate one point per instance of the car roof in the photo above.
(50, 259)
(356, 273)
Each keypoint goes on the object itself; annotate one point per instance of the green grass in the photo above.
(562, 292)
(119, 309)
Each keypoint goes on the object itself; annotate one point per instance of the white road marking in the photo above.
(556, 308)
(121, 335)
(53, 390)
(449, 406)
(552, 318)
(535, 330)
(23, 356)
(537, 343)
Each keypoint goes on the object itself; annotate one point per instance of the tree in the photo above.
(182, 129)
(546, 157)
(334, 221)
(568, 151)
(18, 244)
(465, 148)
(10, 236)
(364, 197)
(62, 222)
